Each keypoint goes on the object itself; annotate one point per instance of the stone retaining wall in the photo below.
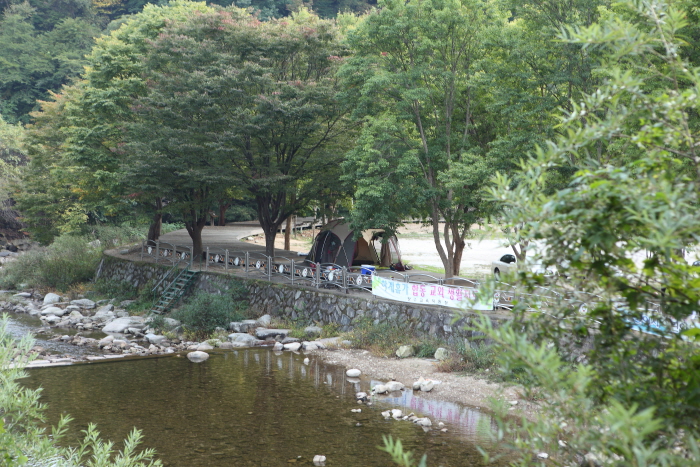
(319, 305)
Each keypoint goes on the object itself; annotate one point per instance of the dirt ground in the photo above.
(462, 389)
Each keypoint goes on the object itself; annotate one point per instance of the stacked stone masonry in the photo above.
(319, 305)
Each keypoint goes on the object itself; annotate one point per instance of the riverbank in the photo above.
(469, 390)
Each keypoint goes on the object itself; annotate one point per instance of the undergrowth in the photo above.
(203, 312)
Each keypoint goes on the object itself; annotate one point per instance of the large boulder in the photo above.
(242, 337)
(53, 310)
(264, 333)
(122, 324)
(52, 319)
(197, 356)
(264, 321)
(51, 298)
(405, 351)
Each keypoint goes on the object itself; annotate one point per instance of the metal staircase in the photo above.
(173, 292)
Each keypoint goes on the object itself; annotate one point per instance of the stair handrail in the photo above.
(167, 275)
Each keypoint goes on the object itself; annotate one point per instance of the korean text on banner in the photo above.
(429, 294)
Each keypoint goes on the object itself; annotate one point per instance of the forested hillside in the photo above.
(43, 43)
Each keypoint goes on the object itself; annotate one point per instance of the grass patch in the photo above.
(381, 339)
(67, 261)
(122, 290)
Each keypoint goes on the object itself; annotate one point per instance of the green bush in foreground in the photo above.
(23, 442)
(202, 313)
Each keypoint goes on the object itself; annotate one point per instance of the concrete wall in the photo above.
(320, 305)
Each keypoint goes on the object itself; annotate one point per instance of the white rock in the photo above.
(427, 386)
(197, 356)
(264, 321)
(309, 346)
(392, 386)
(405, 351)
(307, 361)
(542, 455)
(386, 414)
(52, 319)
(53, 310)
(51, 298)
(76, 314)
(319, 460)
(380, 389)
(278, 346)
(396, 413)
(204, 346)
(425, 421)
(353, 373)
(416, 385)
(119, 325)
(242, 337)
(105, 341)
(440, 424)
(361, 396)
(293, 346)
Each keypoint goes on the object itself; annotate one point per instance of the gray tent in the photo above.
(335, 243)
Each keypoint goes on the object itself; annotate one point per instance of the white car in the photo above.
(509, 263)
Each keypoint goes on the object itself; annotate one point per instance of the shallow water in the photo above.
(22, 323)
(250, 408)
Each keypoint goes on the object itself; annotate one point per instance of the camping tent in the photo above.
(335, 243)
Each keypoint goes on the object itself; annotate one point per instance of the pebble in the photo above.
(542, 455)
(353, 373)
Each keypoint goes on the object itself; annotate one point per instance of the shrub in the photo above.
(67, 261)
(202, 313)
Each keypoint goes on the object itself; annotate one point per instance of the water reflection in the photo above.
(248, 408)
(21, 324)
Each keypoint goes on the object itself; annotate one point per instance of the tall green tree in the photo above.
(619, 227)
(256, 101)
(12, 158)
(76, 140)
(425, 132)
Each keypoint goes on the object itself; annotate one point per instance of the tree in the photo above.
(12, 158)
(424, 135)
(618, 227)
(74, 173)
(263, 97)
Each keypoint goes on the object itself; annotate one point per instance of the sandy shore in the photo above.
(463, 389)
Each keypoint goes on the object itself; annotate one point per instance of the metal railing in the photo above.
(334, 276)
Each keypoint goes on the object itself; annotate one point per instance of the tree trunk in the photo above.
(457, 258)
(223, 207)
(287, 234)
(155, 228)
(270, 235)
(194, 227)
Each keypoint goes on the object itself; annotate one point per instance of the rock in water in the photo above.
(353, 373)
(405, 351)
(427, 386)
(380, 389)
(204, 346)
(242, 337)
(394, 386)
(293, 346)
(197, 356)
(442, 354)
(319, 460)
(278, 346)
(53, 310)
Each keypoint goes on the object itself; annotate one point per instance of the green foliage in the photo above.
(381, 339)
(266, 115)
(69, 260)
(411, 80)
(203, 312)
(34, 62)
(399, 456)
(23, 439)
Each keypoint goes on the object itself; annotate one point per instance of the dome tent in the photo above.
(336, 243)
